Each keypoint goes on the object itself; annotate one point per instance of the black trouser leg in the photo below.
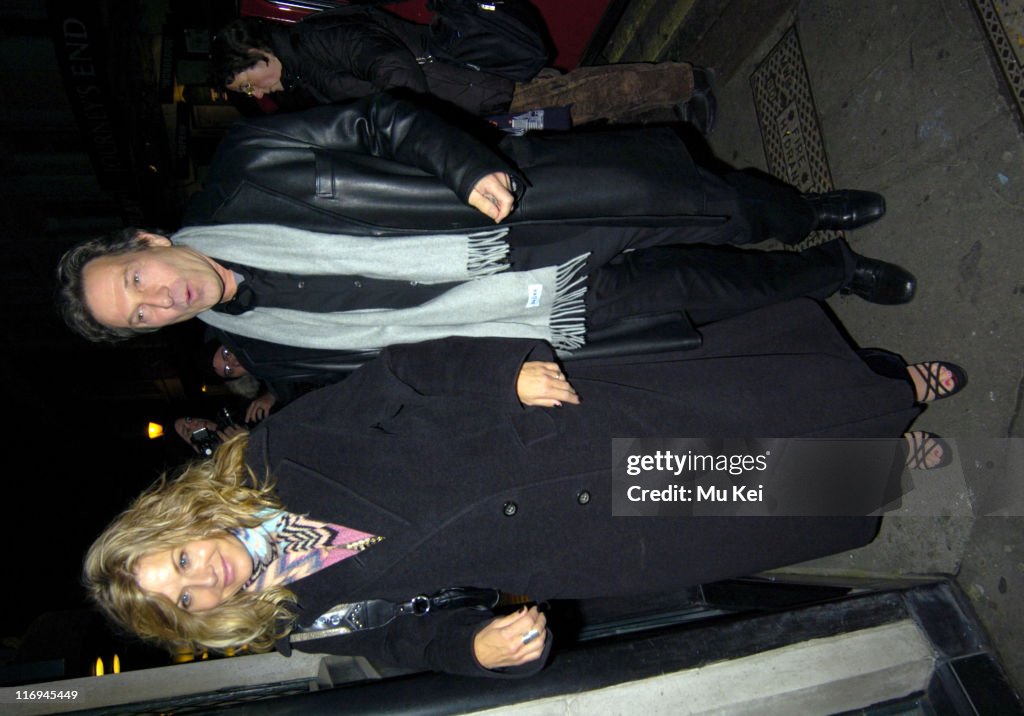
(711, 283)
(771, 208)
(535, 246)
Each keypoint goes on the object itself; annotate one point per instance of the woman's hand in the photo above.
(260, 408)
(492, 196)
(543, 384)
(511, 640)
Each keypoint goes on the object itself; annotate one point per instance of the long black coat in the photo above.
(429, 447)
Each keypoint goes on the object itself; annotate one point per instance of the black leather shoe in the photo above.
(881, 282)
(701, 110)
(845, 209)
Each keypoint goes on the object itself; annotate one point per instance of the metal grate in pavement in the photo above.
(789, 124)
(1000, 19)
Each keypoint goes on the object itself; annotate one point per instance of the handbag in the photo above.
(503, 37)
(376, 613)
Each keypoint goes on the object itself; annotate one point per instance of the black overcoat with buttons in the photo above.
(429, 447)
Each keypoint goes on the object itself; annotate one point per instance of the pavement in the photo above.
(916, 100)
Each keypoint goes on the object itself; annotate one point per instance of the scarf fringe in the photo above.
(487, 253)
(568, 312)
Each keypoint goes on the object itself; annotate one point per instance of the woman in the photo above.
(475, 462)
(351, 52)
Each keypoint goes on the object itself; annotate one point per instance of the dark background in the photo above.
(94, 135)
(107, 120)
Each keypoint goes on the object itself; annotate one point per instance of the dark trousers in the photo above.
(738, 207)
(639, 271)
(765, 207)
(711, 283)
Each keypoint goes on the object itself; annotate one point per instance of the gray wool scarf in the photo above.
(544, 303)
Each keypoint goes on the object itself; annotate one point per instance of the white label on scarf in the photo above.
(533, 293)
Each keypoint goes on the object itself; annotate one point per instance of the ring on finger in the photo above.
(530, 636)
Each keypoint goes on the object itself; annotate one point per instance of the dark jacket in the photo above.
(351, 52)
(429, 447)
(380, 166)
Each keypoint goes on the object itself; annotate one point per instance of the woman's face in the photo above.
(198, 575)
(262, 78)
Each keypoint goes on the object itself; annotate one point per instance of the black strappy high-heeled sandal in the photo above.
(930, 373)
(921, 444)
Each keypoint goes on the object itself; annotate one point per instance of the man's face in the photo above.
(261, 79)
(154, 287)
(226, 365)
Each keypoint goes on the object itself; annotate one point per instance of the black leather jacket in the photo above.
(371, 167)
(380, 166)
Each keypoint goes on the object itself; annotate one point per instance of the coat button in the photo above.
(414, 283)
(510, 508)
(583, 497)
(357, 284)
(301, 284)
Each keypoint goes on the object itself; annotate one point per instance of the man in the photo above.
(226, 365)
(262, 399)
(264, 394)
(379, 174)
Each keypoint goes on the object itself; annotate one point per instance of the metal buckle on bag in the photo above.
(420, 604)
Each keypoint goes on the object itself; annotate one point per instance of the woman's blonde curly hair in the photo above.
(208, 498)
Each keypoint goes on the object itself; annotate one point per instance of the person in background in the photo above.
(352, 52)
(271, 389)
(226, 366)
(204, 435)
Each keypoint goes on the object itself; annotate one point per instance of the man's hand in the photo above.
(492, 196)
(511, 640)
(543, 384)
(260, 408)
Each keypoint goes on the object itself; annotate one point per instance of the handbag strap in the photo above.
(375, 613)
